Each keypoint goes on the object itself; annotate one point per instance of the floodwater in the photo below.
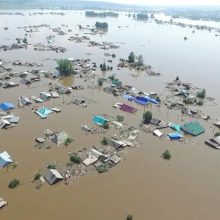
(186, 187)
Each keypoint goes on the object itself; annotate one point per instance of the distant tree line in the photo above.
(142, 16)
(101, 25)
(101, 14)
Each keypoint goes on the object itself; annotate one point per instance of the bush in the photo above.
(201, 94)
(37, 176)
(131, 57)
(129, 217)
(147, 116)
(51, 166)
(100, 82)
(65, 67)
(104, 141)
(13, 183)
(75, 159)
(200, 102)
(217, 134)
(105, 126)
(68, 141)
(167, 155)
(120, 118)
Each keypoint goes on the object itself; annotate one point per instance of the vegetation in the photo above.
(131, 57)
(200, 102)
(101, 25)
(104, 141)
(129, 217)
(68, 141)
(142, 16)
(100, 82)
(201, 94)
(217, 134)
(14, 165)
(101, 14)
(140, 60)
(103, 67)
(37, 176)
(102, 168)
(106, 125)
(189, 101)
(167, 155)
(13, 183)
(65, 67)
(51, 166)
(75, 158)
(147, 116)
(25, 41)
(120, 118)
(112, 77)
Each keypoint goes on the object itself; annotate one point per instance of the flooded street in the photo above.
(143, 184)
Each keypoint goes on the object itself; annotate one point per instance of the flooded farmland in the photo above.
(142, 184)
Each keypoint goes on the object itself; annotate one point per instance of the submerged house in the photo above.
(24, 101)
(99, 120)
(193, 128)
(45, 95)
(93, 156)
(52, 176)
(5, 159)
(58, 138)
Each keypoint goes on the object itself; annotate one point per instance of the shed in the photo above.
(52, 176)
(5, 159)
(175, 136)
(158, 133)
(141, 100)
(5, 106)
(193, 128)
(128, 108)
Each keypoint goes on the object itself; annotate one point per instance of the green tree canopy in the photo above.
(147, 116)
(65, 67)
(131, 57)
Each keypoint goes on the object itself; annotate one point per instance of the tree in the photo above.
(65, 67)
(167, 155)
(131, 57)
(140, 60)
(201, 94)
(25, 40)
(147, 116)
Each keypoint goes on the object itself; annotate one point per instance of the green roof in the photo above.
(193, 128)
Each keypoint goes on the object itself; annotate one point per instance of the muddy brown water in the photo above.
(186, 187)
